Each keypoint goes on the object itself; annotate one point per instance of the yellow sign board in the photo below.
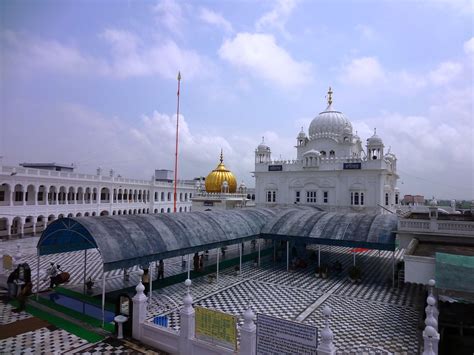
(216, 326)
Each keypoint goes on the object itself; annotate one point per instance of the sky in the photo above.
(94, 83)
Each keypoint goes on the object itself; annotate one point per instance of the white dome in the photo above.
(263, 146)
(375, 139)
(330, 123)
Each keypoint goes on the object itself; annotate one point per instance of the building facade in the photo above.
(331, 170)
(31, 198)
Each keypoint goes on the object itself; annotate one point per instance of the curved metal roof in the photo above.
(345, 229)
(128, 240)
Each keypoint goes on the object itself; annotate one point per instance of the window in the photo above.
(310, 196)
(297, 196)
(18, 196)
(169, 196)
(271, 196)
(2, 195)
(162, 196)
(396, 199)
(156, 196)
(325, 196)
(40, 196)
(323, 153)
(332, 153)
(357, 198)
(386, 199)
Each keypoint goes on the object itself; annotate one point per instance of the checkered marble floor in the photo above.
(368, 317)
(7, 315)
(41, 341)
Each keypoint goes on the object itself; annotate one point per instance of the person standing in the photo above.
(161, 269)
(53, 272)
(146, 281)
(196, 262)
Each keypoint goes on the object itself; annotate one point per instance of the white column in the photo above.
(319, 256)
(240, 259)
(259, 240)
(151, 282)
(139, 308)
(103, 299)
(248, 334)
(287, 255)
(326, 347)
(217, 265)
(187, 321)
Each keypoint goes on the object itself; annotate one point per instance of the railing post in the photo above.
(139, 308)
(248, 334)
(187, 321)
(326, 347)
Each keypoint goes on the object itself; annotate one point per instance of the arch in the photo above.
(60, 216)
(62, 195)
(168, 210)
(40, 223)
(104, 195)
(135, 211)
(119, 212)
(162, 196)
(94, 195)
(332, 154)
(29, 225)
(5, 194)
(80, 195)
(120, 195)
(70, 215)
(147, 210)
(180, 209)
(114, 213)
(156, 196)
(88, 195)
(104, 213)
(115, 195)
(169, 196)
(41, 195)
(71, 195)
(130, 211)
(30, 197)
(125, 212)
(86, 214)
(94, 214)
(51, 218)
(181, 196)
(18, 194)
(156, 210)
(162, 210)
(79, 214)
(4, 227)
(186, 197)
(17, 226)
(185, 208)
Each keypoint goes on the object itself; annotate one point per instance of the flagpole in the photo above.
(176, 152)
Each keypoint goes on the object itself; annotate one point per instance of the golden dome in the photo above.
(217, 177)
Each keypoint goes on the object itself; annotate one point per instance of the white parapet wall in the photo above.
(160, 338)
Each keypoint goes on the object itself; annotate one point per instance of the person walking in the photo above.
(161, 269)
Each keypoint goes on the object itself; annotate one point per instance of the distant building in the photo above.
(331, 171)
(413, 200)
(35, 194)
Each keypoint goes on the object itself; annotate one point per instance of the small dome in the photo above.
(375, 139)
(263, 146)
(330, 123)
(301, 135)
(220, 175)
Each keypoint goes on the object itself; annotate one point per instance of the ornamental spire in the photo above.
(329, 96)
(222, 157)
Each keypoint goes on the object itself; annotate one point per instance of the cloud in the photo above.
(216, 19)
(132, 151)
(469, 46)
(445, 72)
(363, 71)
(129, 57)
(170, 14)
(366, 32)
(277, 17)
(263, 58)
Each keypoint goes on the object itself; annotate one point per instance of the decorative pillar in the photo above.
(432, 284)
(326, 347)
(139, 308)
(431, 340)
(187, 321)
(248, 334)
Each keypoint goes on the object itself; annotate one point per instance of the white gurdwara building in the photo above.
(34, 195)
(331, 170)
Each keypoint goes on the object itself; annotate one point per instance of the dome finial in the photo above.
(375, 131)
(330, 97)
(222, 156)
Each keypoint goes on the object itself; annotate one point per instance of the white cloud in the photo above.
(170, 14)
(277, 17)
(363, 71)
(366, 32)
(263, 58)
(445, 73)
(130, 57)
(469, 46)
(216, 19)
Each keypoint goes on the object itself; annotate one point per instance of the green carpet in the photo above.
(62, 323)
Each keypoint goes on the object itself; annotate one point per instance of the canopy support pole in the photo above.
(393, 269)
(354, 257)
(189, 268)
(37, 275)
(319, 255)
(217, 265)
(151, 282)
(259, 252)
(85, 270)
(240, 258)
(103, 299)
(287, 255)
(274, 252)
